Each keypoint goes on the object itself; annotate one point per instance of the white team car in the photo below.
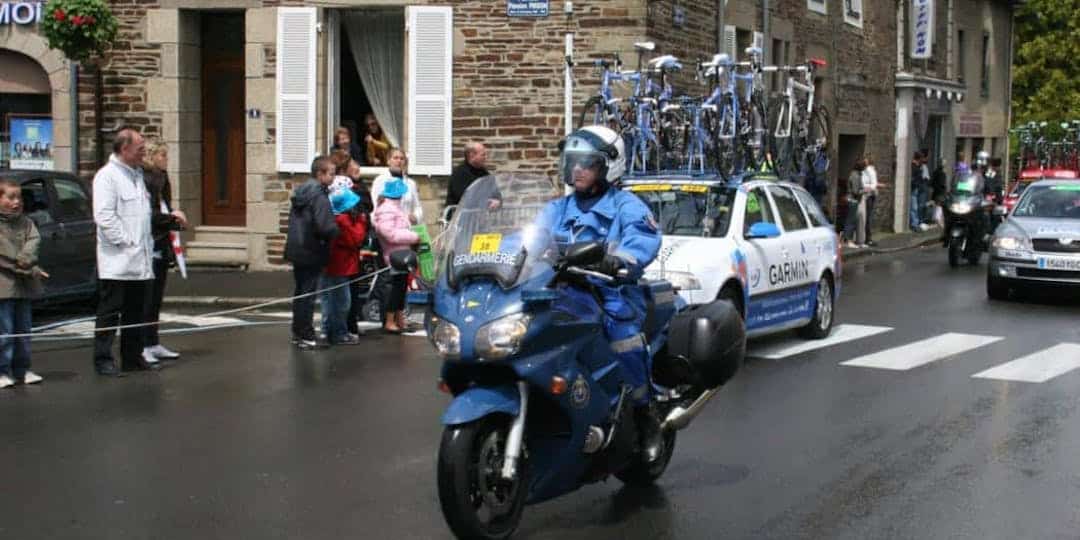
(763, 244)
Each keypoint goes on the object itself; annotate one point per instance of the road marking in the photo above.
(1038, 367)
(843, 333)
(922, 352)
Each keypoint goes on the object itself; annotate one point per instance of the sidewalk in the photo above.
(237, 289)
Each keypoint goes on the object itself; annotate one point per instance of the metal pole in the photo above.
(73, 90)
(568, 93)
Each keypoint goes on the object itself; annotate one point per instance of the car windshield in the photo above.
(688, 209)
(495, 233)
(1061, 201)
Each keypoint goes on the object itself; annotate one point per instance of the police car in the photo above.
(761, 243)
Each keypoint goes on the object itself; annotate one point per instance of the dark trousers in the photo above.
(303, 309)
(395, 299)
(120, 303)
(153, 300)
(870, 200)
(355, 306)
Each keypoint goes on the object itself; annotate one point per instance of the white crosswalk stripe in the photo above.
(923, 352)
(1038, 367)
(783, 348)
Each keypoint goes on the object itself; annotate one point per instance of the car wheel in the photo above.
(820, 326)
(996, 288)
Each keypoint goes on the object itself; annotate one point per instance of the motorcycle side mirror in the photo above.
(404, 260)
(584, 253)
(763, 229)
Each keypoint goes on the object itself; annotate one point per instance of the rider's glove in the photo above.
(611, 265)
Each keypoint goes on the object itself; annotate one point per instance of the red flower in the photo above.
(59, 15)
(76, 20)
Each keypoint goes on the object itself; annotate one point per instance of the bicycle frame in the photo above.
(789, 103)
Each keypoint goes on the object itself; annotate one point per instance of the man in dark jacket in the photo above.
(465, 174)
(307, 247)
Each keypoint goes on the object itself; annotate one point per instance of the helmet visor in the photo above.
(583, 166)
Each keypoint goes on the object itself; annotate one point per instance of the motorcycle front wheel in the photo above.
(476, 501)
(956, 251)
(644, 473)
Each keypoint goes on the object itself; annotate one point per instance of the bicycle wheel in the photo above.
(710, 135)
(674, 140)
(727, 149)
(814, 142)
(753, 135)
(595, 113)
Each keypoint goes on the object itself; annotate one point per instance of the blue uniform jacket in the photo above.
(626, 224)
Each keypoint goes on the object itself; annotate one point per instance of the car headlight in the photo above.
(447, 339)
(683, 281)
(1011, 243)
(502, 337)
(960, 207)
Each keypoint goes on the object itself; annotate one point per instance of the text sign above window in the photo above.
(922, 28)
(20, 13)
(527, 8)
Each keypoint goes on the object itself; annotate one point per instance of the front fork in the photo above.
(517, 434)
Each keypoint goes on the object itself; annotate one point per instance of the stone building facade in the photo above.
(218, 80)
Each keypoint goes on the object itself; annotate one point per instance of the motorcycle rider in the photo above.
(593, 160)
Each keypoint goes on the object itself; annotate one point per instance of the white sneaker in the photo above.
(161, 352)
(6, 381)
(148, 355)
(850, 245)
(924, 227)
(31, 378)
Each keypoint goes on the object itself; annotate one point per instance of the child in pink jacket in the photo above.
(395, 233)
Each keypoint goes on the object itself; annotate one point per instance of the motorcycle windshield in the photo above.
(966, 185)
(495, 232)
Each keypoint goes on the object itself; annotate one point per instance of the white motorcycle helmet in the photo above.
(982, 159)
(593, 147)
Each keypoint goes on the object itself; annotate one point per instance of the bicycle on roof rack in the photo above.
(739, 133)
(799, 135)
(650, 108)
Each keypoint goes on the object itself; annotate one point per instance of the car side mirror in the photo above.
(584, 253)
(1000, 210)
(763, 229)
(404, 260)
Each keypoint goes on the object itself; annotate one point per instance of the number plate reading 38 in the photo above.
(1054, 263)
(485, 243)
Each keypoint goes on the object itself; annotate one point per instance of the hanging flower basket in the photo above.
(78, 28)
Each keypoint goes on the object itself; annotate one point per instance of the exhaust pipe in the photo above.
(680, 417)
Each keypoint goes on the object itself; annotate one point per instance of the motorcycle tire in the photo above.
(470, 482)
(956, 250)
(975, 256)
(645, 473)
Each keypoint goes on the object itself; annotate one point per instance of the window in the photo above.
(853, 12)
(791, 214)
(36, 201)
(757, 210)
(743, 40)
(817, 215)
(985, 86)
(961, 67)
(71, 201)
(817, 6)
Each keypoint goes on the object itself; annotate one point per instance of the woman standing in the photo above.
(870, 189)
(410, 202)
(855, 224)
(392, 225)
(163, 220)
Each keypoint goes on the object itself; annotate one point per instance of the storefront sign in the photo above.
(527, 8)
(922, 29)
(20, 12)
(31, 142)
(969, 125)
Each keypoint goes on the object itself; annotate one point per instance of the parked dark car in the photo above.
(59, 204)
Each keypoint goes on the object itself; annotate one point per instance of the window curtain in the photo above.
(377, 41)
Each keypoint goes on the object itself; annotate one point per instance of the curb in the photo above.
(218, 301)
(864, 253)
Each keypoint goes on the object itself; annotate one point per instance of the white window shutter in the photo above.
(296, 67)
(730, 43)
(759, 40)
(430, 80)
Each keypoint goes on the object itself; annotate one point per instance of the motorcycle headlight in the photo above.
(502, 337)
(683, 281)
(960, 208)
(447, 339)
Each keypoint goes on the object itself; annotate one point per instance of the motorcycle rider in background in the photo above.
(593, 160)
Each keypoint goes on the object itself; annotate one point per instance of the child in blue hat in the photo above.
(344, 263)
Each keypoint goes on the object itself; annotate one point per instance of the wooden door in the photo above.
(223, 127)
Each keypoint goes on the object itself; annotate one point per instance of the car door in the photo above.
(760, 253)
(39, 207)
(823, 238)
(75, 213)
(798, 251)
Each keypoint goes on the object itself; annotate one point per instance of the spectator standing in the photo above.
(344, 263)
(125, 247)
(163, 221)
(307, 246)
(938, 191)
(474, 166)
(343, 140)
(19, 282)
(410, 202)
(870, 186)
(392, 224)
(918, 185)
(376, 142)
(855, 224)
(342, 181)
(365, 206)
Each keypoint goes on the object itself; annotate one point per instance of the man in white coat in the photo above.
(124, 253)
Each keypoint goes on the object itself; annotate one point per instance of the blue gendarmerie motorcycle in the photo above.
(541, 406)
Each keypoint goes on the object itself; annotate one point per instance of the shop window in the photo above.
(25, 100)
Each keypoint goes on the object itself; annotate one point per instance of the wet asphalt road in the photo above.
(245, 438)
